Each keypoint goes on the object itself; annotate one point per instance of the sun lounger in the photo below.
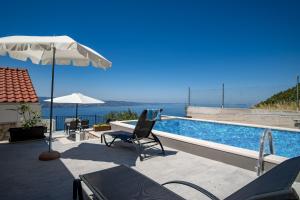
(274, 184)
(142, 135)
(124, 183)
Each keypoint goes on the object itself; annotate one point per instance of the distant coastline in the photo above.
(107, 103)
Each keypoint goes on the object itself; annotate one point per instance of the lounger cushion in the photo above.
(120, 134)
(124, 183)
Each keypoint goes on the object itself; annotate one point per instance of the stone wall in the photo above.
(10, 118)
(4, 127)
(9, 114)
(249, 116)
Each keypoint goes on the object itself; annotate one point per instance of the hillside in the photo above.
(284, 100)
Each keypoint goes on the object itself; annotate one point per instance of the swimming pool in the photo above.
(286, 143)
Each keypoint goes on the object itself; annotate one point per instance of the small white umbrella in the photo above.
(44, 50)
(76, 98)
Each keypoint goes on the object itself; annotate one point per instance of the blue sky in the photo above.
(159, 48)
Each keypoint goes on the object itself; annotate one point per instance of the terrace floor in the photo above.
(23, 176)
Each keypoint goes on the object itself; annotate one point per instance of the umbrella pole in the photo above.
(51, 155)
(76, 114)
(51, 102)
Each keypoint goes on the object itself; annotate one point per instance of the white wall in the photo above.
(8, 115)
(248, 116)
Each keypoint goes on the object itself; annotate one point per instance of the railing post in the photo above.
(297, 93)
(95, 119)
(223, 95)
(189, 96)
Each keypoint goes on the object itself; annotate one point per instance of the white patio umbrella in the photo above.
(76, 98)
(44, 50)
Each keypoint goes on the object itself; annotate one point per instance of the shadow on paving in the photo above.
(23, 176)
(120, 154)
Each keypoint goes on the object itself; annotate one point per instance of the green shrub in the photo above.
(100, 125)
(120, 116)
(284, 100)
(29, 117)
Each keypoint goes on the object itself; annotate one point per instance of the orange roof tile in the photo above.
(16, 86)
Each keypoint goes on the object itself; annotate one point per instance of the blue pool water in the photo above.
(286, 143)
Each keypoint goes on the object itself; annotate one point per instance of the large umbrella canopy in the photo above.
(53, 50)
(39, 49)
(76, 98)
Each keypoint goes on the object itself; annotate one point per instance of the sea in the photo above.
(95, 114)
(174, 109)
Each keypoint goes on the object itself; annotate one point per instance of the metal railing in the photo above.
(243, 96)
(267, 134)
(60, 120)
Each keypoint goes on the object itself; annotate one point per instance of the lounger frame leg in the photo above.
(77, 189)
(160, 144)
(139, 148)
(107, 143)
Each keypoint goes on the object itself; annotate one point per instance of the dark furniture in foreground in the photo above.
(31, 133)
(124, 183)
(142, 136)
